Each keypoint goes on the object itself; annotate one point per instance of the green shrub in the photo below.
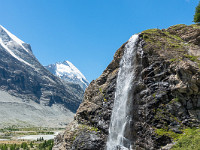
(190, 140)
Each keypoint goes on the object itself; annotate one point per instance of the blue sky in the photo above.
(88, 32)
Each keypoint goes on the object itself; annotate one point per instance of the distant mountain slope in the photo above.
(16, 111)
(22, 76)
(68, 72)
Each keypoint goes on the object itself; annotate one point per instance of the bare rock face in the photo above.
(166, 95)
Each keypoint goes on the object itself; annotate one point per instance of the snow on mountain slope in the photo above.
(18, 49)
(68, 72)
(16, 39)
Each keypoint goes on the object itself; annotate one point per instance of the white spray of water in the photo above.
(121, 120)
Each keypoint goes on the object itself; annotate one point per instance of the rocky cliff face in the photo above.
(27, 88)
(166, 97)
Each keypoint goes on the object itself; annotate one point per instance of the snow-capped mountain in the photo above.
(68, 72)
(29, 92)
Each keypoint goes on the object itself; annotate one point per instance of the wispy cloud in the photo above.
(187, 1)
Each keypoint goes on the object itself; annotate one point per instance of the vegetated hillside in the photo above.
(30, 94)
(166, 96)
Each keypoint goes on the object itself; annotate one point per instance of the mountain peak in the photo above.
(68, 72)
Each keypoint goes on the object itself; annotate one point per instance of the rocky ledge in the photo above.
(166, 98)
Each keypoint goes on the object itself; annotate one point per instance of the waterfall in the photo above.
(121, 120)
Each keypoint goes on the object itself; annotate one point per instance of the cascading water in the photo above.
(121, 119)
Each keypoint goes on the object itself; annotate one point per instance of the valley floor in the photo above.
(32, 138)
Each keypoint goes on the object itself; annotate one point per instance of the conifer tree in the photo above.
(197, 14)
(31, 144)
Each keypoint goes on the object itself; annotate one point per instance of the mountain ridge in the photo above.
(23, 77)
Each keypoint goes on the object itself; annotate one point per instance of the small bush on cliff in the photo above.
(197, 14)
